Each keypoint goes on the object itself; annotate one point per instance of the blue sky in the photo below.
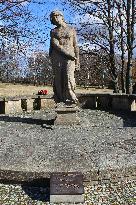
(41, 26)
(42, 23)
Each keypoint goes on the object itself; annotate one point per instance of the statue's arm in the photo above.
(56, 45)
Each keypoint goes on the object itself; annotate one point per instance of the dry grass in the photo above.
(8, 90)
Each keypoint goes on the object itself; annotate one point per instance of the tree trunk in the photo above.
(112, 52)
(122, 74)
(129, 75)
(122, 50)
(130, 40)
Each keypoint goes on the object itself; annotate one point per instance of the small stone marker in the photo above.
(66, 187)
(67, 115)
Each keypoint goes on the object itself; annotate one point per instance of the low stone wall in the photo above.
(86, 101)
(108, 101)
(124, 102)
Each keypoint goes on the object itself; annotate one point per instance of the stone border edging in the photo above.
(103, 101)
(112, 175)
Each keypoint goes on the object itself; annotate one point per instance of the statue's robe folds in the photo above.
(62, 44)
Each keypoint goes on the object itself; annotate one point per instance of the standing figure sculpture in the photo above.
(64, 54)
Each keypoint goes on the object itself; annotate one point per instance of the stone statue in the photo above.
(64, 54)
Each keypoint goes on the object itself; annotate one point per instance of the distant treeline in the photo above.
(94, 70)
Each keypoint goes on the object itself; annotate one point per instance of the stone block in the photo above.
(104, 102)
(120, 102)
(66, 198)
(67, 116)
(66, 188)
(30, 104)
(47, 103)
(13, 106)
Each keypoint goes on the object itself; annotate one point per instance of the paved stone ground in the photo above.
(103, 141)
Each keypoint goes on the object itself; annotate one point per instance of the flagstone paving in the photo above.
(103, 141)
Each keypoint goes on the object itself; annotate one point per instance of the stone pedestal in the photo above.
(66, 188)
(67, 115)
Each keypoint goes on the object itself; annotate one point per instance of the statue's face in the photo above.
(57, 20)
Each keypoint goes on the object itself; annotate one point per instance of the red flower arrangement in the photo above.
(42, 92)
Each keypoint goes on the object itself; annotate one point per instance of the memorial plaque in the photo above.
(66, 187)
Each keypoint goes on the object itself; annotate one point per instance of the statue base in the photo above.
(67, 115)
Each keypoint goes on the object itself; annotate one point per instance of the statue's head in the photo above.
(56, 17)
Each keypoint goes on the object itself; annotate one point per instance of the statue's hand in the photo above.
(71, 57)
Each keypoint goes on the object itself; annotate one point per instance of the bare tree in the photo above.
(131, 20)
(17, 30)
(13, 15)
(101, 32)
(111, 29)
(121, 37)
(126, 15)
(93, 69)
(40, 70)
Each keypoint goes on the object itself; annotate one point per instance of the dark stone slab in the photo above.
(66, 183)
(66, 188)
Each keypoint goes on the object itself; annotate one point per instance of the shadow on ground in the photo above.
(38, 189)
(129, 119)
(27, 120)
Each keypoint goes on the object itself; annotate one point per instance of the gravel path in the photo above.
(121, 193)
